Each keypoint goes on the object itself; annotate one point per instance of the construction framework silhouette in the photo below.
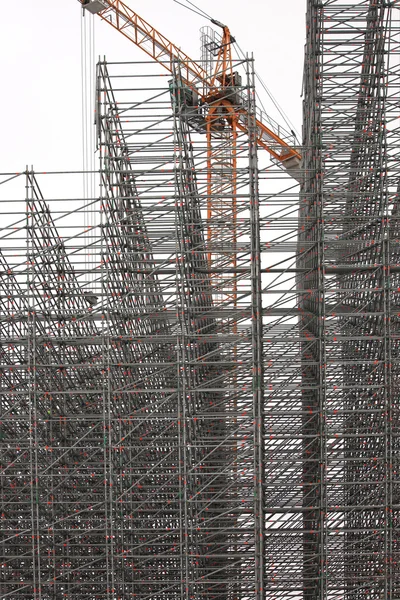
(199, 362)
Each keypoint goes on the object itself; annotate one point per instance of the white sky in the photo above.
(40, 50)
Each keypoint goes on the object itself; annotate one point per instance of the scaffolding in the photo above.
(131, 373)
(199, 366)
(349, 302)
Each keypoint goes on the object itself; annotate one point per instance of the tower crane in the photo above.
(215, 90)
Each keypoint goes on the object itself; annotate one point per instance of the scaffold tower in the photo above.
(199, 355)
(131, 422)
(349, 296)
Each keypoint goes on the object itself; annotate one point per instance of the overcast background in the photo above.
(40, 43)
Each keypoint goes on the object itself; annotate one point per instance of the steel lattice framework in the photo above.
(199, 367)
(335, 457)
(131, 379)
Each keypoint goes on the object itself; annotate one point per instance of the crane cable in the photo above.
(198, 11)
(198, 8)
(84, 127)
(88, 133)
(278, 107)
